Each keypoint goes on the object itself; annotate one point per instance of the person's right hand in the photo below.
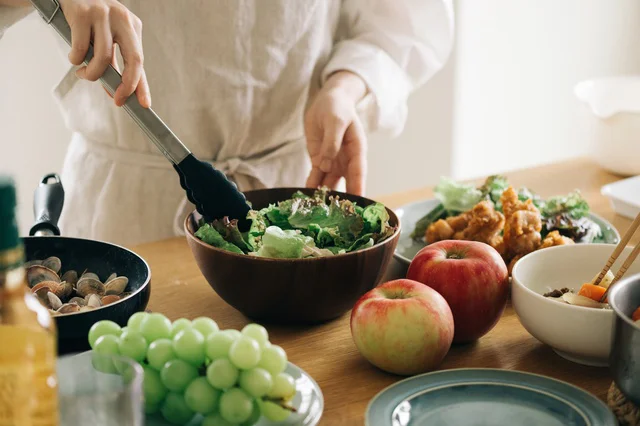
(107, 23)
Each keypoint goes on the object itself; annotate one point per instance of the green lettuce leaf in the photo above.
(256, 230)
(363, 242)
(211, 236)
(376, 218)
(228, 229)
(340, 214)
(572, 205)
(457, 197)
(493, 188)
(284, 244)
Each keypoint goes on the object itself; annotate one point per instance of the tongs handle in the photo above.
(159, 133)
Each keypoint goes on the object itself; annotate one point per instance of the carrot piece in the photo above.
(636, 315)
(594, 292)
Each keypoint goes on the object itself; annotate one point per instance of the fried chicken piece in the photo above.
(482, 223)
(444, 229)
(485, 224)
(553, 239)
(522, 226)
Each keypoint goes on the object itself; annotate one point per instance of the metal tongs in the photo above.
(207, 188)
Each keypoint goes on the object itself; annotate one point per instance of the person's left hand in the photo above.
(336, 140)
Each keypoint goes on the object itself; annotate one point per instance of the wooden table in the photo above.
(327, 351)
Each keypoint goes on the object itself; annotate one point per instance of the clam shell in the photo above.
(116, 286)
(94, 301)
(54, 301)
(41, 294)
(32, 263)
(50, 285)
(112, 276)
(90, 275)
(68, 308)
(85, 308)
(52, 263)
(106, 300)
(71, 277)
(88, 285)
(38, 273)
(64, 290)
(78, 301)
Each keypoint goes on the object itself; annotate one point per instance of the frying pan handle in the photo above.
(47, 206)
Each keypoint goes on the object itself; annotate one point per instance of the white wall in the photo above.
(517, 63)
(33, 138)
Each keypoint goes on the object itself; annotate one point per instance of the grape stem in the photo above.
(281, 402)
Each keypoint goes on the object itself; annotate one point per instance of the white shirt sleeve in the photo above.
(9, 15)
(395, 47)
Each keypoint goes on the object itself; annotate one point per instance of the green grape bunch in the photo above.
(191, 368)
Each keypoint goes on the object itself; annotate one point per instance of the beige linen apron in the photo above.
(231, 78)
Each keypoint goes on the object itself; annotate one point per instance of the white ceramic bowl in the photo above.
(579, 334)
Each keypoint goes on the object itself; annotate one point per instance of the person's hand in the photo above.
(336, 140)
(107, 23)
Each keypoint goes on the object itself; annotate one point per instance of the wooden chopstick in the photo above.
(616, 253)
(619, 248)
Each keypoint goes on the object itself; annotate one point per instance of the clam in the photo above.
(50, 285)
(88, 285)
(68, 308)
(54, 301)
(94, 301)
(110, 298)
(38, 273)
(64, 290)
(71, 277)
(41, 294)
(90, 275)
(72, 292)
(78, 301)
(116, 285)
(52, 263)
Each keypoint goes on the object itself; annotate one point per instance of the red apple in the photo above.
(402, 327)
(473, 279)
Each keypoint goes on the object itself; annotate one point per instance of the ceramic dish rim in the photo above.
(406, 261)
(501, 370)
(516, 281)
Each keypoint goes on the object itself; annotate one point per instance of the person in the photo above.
(272, 93)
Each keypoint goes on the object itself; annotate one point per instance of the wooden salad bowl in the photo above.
(292, 291)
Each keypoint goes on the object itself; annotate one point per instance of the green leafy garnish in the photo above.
(457, 197)
(573, 205)
(209, 235)
(303, 226)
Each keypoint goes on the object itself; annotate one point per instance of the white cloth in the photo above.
(233, 79)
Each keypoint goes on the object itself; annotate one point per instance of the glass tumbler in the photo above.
(100, 390)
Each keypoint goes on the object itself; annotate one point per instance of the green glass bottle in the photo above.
(28, 385)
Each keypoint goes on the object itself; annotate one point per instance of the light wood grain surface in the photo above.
(327, 351)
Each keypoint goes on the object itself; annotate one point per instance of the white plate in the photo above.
(624, 196)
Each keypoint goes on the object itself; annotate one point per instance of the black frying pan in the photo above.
(80, 254)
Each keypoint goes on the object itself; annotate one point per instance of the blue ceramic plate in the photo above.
(411, 213)
(308, 401)
(485, 397)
